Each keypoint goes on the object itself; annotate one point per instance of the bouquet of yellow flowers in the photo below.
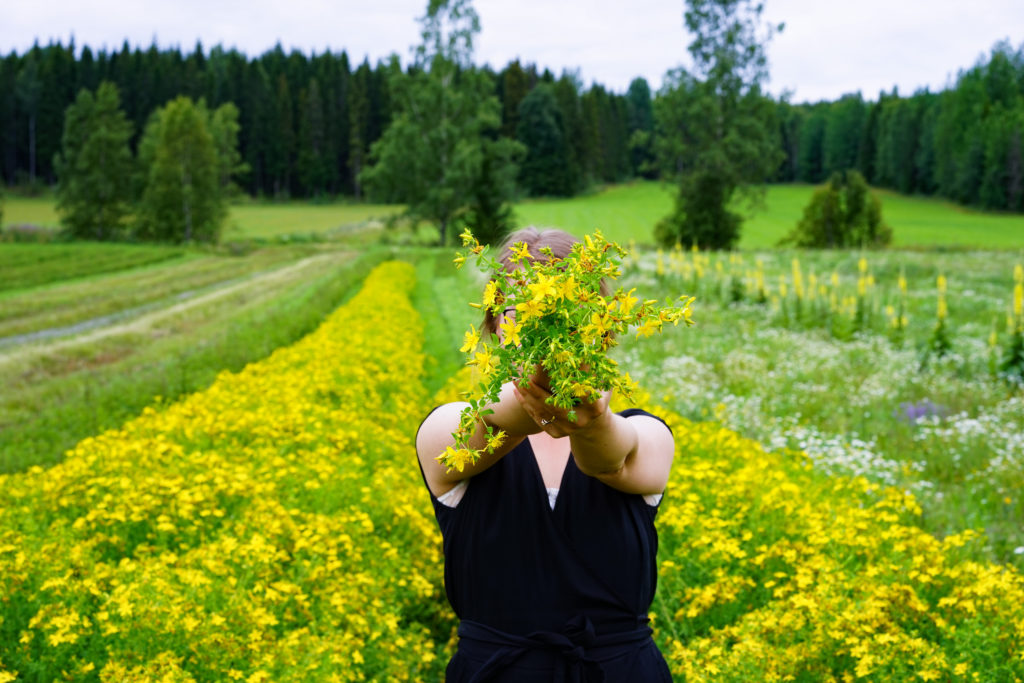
(563, 324)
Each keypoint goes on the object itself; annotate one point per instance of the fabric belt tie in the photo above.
(581, 650)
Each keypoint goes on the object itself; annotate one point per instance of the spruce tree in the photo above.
(545, 170)
(94, 168)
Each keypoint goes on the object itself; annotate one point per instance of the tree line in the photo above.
(307, 124)
(964, 143)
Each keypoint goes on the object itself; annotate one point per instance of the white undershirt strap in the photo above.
(451, 498)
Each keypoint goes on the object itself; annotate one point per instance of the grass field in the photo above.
(624, 213)
(262, 221)
(248, 220)
(630, 212)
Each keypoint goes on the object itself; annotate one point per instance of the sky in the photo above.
(826, 50)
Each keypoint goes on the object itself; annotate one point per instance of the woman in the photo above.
(549, 541)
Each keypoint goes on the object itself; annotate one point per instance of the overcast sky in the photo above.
(826, 50)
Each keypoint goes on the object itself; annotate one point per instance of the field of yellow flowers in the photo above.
(274, 527)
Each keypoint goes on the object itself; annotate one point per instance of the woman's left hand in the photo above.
(555, 421)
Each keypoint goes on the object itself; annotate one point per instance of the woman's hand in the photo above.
(555, 421)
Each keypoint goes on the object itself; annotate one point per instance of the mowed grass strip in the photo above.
(54, 398)
(68, 303)
(24, 265)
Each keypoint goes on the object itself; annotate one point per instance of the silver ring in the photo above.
(546, 422)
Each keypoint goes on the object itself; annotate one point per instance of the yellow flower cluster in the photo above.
(273, 527)
(563, 323)
(770, 571)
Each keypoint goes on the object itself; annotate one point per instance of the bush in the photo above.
(843, 213)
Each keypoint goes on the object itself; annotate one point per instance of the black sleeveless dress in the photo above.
(548, 594)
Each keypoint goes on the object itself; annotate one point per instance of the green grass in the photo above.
(41, 211)
(442, 297)
(69, 302)
(54, 398)
(263, 221)
(624, 213)
(24, 265)
(247, 220)
(630, 212)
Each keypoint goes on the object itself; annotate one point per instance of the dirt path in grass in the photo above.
(103, 327)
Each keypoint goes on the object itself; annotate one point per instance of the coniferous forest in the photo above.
(307, 122)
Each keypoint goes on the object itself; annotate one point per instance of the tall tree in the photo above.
(224, 128)
(432, 153)
(717, 134)
(359, 125)
(545, 170)
(515, 85)
(640, 128)
(312, 158)
(182, 201)
(95, 167)
(810, 160)
(843, 129)
(790, 120)
(29, 88)
(567, 92)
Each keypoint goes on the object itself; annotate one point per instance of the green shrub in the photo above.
(843, 213)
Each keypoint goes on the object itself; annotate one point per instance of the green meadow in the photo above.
(625, 213)
(629, 212)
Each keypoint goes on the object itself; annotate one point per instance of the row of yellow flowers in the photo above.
(272, 527)
(275, 527)
(770, 571)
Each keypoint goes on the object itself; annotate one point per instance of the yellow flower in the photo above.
(491, 294)
(542, 288)
(649, 327)
(455, 458)
(520, 252)
(494, 441)
(567, 288)
(528, 310)
(470, 341)
(627, 301)
(510, 332)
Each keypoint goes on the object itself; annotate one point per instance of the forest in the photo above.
(307, 122)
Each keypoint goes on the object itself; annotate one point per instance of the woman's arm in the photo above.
(631, 454)
(435, 435)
